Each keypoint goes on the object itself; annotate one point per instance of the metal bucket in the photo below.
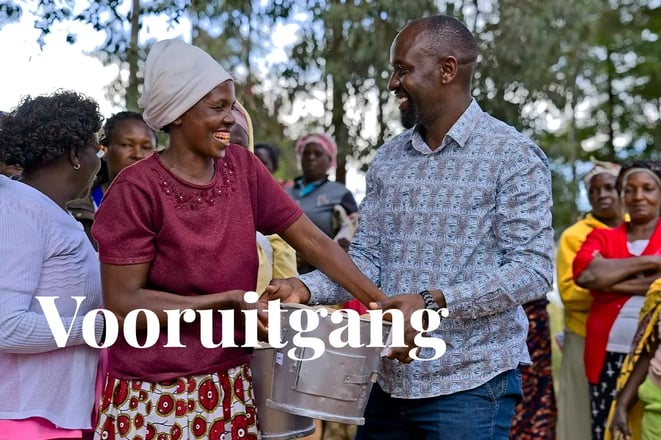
(274, 424)
(334, 387)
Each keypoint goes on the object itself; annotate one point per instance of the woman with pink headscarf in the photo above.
(325, 202)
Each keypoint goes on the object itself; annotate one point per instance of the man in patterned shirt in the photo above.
(459, 206)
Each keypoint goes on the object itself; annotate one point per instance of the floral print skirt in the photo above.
(209, 406)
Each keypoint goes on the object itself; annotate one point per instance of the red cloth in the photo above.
(610, 243)
(356, 305)
(198, 239)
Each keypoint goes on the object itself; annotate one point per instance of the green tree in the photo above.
(10, 12)
(580, 84)
(526, 72)
(121, 26)
(239, 34)
(342, 57)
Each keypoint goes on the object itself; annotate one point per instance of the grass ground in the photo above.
(556, 315)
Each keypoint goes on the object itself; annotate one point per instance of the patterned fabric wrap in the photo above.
(210, 406)
(535, 416)
(644, 339)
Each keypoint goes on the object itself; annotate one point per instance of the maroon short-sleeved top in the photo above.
(198, 239)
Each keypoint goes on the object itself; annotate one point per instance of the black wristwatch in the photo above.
(430, 304)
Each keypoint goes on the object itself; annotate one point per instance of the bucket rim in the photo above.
(330, 310)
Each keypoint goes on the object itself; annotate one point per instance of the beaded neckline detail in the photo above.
(189, 197)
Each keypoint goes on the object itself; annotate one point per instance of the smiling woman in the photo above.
(618, 266)
(186, 219)
(177, 231)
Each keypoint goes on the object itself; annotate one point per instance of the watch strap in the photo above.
(429, 301)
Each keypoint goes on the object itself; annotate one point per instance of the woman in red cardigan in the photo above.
(618, 265)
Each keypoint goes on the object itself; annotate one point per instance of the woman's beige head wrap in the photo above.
(600, 167)
(244, 120)
(177, 76)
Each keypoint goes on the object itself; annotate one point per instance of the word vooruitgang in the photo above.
(300, 320)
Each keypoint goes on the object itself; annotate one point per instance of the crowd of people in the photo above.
(607, 266)
(456, 220)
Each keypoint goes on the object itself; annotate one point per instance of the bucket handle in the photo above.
(360, 379)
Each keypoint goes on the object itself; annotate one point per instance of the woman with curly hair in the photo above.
(127, 139)
(47, 389)
(12, 171)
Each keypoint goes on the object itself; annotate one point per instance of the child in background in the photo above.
(650, 394)
(638, 392)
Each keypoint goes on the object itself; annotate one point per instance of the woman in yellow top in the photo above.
(574, 394)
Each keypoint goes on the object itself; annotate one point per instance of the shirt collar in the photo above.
(460, 131)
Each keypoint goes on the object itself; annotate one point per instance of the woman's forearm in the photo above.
(634, 286)
(329, 257)
(604, 273)
(629, 395)
(123, 292)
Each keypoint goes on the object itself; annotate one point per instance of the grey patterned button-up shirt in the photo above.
(472, 218)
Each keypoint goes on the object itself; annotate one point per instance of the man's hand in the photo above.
(406, 303)
(287, 290)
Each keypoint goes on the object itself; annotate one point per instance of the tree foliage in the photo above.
(120, 22)
(580, 84)
(342, 59)
(9, 12)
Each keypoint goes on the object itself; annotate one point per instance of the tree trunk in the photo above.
(610, 147)
(340, 133)
(132, 59)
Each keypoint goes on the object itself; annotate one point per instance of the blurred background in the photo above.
(580, 77)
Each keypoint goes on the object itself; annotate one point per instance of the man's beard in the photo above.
(409, 117)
